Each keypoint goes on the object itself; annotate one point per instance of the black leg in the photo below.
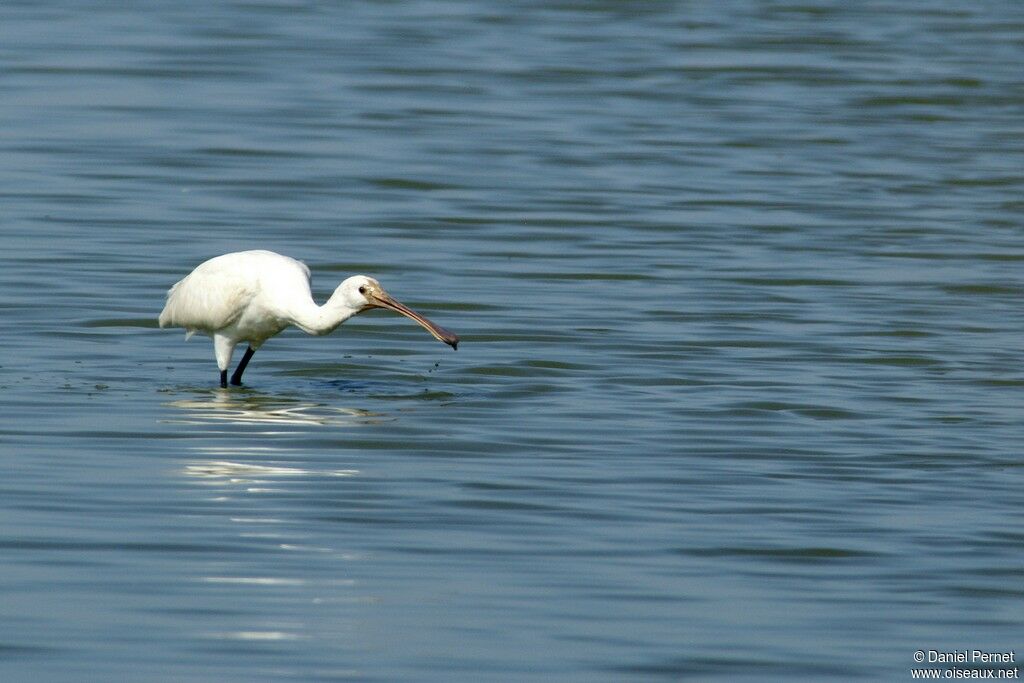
(223, 379)
(236, 378)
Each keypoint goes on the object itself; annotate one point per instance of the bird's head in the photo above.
(363, 293)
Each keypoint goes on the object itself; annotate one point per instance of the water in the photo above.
(739, 393)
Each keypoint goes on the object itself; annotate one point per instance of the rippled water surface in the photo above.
(740, 392)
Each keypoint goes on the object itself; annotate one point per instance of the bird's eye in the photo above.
(362, 290)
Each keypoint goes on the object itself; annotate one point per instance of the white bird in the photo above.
(252, 295)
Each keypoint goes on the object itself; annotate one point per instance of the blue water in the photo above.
(739, 395)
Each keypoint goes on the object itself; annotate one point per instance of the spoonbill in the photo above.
(252, 295)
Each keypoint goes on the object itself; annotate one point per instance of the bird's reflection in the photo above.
(250, 407)
(249, 474)
(254, 467)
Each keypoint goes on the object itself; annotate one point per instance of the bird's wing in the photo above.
(305, 268)
(211, 297)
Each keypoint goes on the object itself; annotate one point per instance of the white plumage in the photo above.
(252, 295)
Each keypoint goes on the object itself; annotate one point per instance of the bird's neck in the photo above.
(318, 320)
